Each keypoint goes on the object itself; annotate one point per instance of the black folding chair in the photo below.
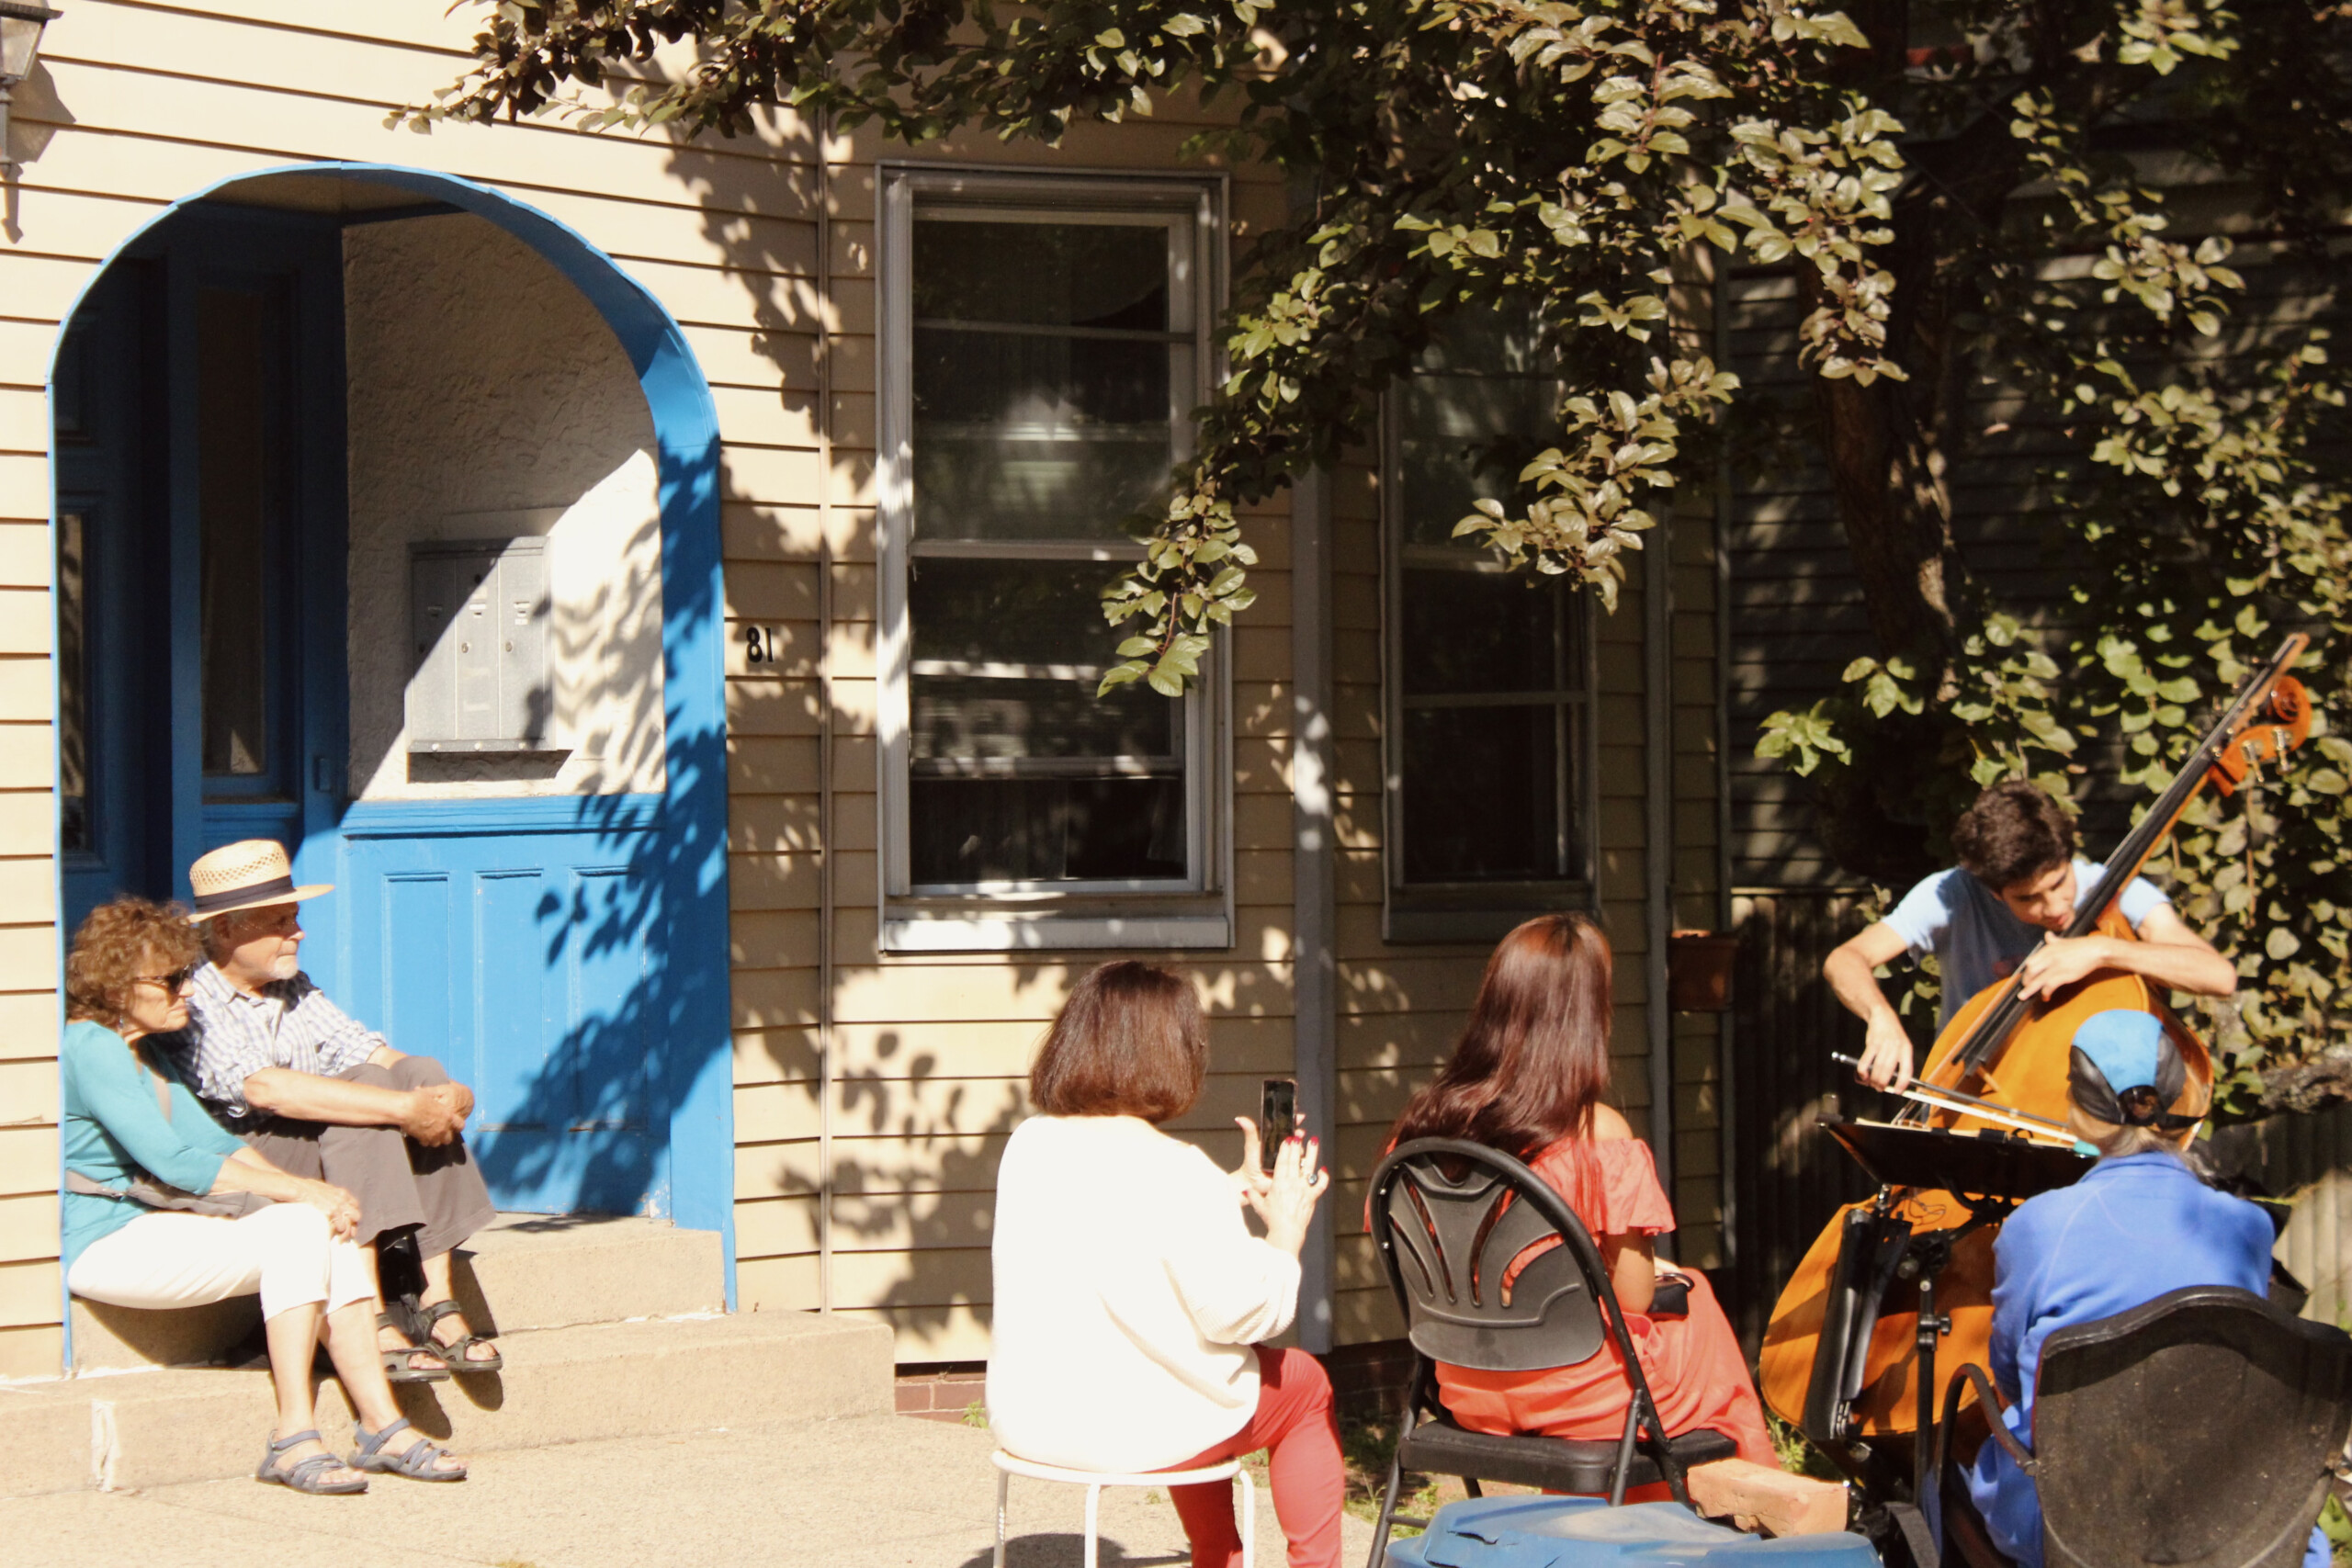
(2198, 1429)
(1450, 1218)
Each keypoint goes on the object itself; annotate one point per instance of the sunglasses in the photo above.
(175, 982)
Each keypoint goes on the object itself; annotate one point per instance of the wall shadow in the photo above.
(646, 1069)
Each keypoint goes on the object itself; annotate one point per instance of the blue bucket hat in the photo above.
(2126, 1069)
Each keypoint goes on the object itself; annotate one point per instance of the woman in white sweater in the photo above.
(1130, 1296)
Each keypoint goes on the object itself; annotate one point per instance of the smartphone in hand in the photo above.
(1277, 1117)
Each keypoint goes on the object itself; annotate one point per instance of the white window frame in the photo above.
(1468, 911)
(1194, 910)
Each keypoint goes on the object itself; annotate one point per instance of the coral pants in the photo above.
(1295, 1423)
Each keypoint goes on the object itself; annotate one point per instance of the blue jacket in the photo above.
(2084, 1253)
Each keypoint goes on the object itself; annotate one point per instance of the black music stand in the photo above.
(1990, 1173)
(1980, 1164)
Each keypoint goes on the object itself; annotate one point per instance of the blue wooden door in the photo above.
(514, 940)
(201, 556)
(199, 412)
(113, 609)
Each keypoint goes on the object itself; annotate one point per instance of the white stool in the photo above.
(1007, 1467)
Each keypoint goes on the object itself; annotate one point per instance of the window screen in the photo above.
(1490, 680)
(1054, 370)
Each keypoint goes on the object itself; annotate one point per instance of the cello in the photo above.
(1849, 1354)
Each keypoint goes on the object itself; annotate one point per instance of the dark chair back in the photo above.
(1448, 1217)
(2197, 1430)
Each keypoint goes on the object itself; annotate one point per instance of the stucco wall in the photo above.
(490, 400)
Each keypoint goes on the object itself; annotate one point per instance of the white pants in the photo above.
(164, 1259)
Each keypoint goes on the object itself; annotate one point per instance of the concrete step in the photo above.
(522, 1272)
(620, 1380)
(528, 1271)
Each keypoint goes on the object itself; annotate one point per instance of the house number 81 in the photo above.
(759, 645)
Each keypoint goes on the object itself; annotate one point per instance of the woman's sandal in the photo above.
(398, 1368)
(416, 1462)
(453, 1351)
(303, 1474)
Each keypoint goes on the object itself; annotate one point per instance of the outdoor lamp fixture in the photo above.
(21, 22)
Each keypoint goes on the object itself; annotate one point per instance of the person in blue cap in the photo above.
(2081, 1253)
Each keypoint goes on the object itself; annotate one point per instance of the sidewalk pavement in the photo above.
(865, 1491)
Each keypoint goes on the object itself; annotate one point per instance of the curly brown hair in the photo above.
(117, 945)
(2014, 833)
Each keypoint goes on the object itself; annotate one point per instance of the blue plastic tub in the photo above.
(1585, 1532)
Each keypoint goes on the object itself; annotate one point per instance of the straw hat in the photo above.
(247, 874)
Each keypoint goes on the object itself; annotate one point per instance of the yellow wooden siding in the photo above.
(1401, 1006)
(931, 1052)
(120, 125)
(136, 108)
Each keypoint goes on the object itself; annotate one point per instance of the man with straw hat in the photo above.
(321, 1095)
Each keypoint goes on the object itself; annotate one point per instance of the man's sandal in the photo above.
(304, 1474)
(398, 1368)
(416, 1461)
(454, 1351)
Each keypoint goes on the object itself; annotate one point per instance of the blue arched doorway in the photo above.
(567, 952)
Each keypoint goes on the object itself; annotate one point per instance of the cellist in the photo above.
(1997, 912)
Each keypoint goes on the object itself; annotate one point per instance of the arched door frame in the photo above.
(692, 1011)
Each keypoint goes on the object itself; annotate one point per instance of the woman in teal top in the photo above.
(163, 1208)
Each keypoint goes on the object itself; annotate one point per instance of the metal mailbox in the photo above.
(478, 610)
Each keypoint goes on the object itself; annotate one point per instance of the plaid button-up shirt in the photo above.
(233, 1035)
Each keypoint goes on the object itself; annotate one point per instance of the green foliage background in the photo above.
(1962, 188)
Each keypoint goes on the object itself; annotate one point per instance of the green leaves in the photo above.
(1585, 515)
(1193, 578)
(2160, 31)
(1825, 198)
(1808, 738)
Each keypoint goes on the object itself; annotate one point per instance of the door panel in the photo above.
(522, 1080)
(114, 726)
(520, 959)
(416, 908)
(198, 405)
(253, 347)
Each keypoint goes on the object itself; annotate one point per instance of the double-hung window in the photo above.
(1045, 345)
(1491, 733)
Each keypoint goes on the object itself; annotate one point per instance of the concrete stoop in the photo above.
(522, 1272)
(610, 1329)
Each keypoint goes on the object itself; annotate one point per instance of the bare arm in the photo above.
(1631, 1257)
(2167, 954)
(1632, 1262)
(246, 1171)
(455, 1097)
(429, 1117)
(1850, 971)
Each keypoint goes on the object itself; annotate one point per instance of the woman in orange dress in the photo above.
(1527, 1077)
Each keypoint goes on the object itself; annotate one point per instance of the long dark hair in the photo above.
(1533, 1060)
